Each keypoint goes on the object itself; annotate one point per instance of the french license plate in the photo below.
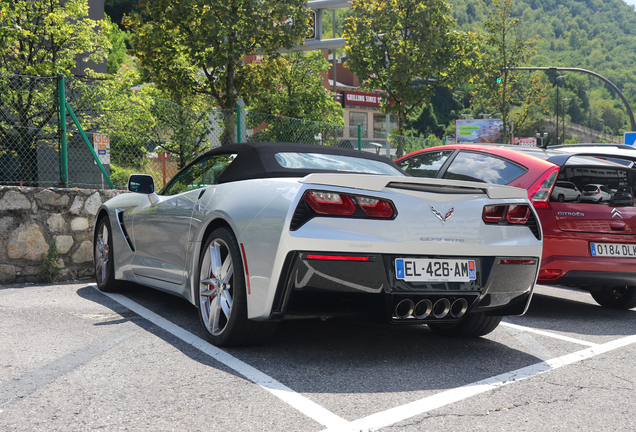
(435, 270)
(613, 249)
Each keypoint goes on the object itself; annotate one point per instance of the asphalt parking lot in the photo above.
(73, 358)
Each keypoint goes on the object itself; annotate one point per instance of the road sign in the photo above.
(630, 138)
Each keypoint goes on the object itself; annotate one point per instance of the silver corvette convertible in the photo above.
(256, 233)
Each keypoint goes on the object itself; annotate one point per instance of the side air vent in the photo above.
(534, 226)
(302, 214)
(443, 189)
(122, 227)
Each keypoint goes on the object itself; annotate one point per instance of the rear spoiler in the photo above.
(561, 159)
(378, 183)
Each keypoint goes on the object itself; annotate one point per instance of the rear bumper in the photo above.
(567, 256)
(594, 280)
(589, 271)
(333, 286)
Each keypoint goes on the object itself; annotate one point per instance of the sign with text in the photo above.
(368, 99)
(101, 144)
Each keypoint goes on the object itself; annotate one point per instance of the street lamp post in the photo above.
(564, 100)
(557, 107)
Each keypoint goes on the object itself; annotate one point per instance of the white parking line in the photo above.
(296, 400)
(548, 334)
(391, 416)
(397, 414)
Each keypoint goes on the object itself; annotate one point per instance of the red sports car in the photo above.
(587, 244)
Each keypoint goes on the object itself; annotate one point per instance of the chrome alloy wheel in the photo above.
(215, 288)
(101, 255)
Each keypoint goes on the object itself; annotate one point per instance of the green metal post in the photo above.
(359, 137)
(61, 95)
(238, 123)
(88, 144)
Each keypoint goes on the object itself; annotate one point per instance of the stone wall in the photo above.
(29, 220)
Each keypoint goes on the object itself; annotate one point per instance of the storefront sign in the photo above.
(368, 99)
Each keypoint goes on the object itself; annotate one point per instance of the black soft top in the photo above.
(258, 160)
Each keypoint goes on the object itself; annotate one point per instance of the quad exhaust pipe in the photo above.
(443, 307)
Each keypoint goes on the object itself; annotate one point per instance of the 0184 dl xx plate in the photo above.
(613, 250)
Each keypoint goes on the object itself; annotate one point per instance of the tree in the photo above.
(407, 48)
(500, 85)
(198, 46)
(45, 37)
(117, 54)
(290, 85)
(154, 124)
(39, 38)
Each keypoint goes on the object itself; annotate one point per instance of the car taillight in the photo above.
(339, 204)
(330, 203)
(337, 257)
(374, 207)
(513, 214)
(549, 274)
(493, 213)
(539, 192)
(518, 214)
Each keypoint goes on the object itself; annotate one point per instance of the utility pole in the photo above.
(557, 107)
(564, 100)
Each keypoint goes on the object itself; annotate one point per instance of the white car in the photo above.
(565, 191)
(596, 193)
(255, 233)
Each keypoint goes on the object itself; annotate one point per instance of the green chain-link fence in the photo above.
(29, 152)
(132, 132)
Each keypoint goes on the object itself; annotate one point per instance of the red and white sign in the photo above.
(101, 144)
(526, 142)
(368, 99)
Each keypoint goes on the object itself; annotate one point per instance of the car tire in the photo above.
(473, 325)
(619, 297)
(221, 296)
(561, 198)
(103, 262)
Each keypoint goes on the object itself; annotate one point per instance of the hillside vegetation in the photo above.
(590, 34)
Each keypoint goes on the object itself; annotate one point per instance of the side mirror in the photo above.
(141, 183)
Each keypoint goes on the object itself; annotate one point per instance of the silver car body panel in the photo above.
(167, 236)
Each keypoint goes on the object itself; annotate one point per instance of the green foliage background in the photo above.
(598, 35)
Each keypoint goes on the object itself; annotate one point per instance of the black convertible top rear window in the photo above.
(340, 163)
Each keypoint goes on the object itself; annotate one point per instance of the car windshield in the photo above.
(590, 188)
(332, 162)
(203, 173)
